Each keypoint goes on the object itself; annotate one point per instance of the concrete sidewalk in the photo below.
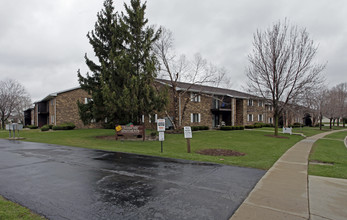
(283, 192)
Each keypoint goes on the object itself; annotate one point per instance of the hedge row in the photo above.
(32, 126)
(199, 128)
(228, 128)
(65, 126)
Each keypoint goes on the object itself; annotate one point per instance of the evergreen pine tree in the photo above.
(134, 94)
(101, 40)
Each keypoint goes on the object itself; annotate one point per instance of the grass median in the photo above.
(261, 151)
(329, 156)
(11, 211)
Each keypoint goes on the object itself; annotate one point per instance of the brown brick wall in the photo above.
(203, 108)
(256, 110)
(67, 109)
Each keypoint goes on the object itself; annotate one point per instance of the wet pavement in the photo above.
(62, 182)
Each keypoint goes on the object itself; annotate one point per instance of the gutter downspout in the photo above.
(55, 111)
(179, 110)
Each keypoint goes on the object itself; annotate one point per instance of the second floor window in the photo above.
(195, 97)
(260, 103)
(250, 102)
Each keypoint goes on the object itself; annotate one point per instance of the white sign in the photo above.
(161, 125)
(287, 130)
(188, 132)
(161, 136)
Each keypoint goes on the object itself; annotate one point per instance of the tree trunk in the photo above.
(276, 124)
(320, 122)
(330, 122)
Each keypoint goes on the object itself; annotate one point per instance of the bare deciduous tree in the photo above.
(13, 99)
(281, 66)
(196, 71)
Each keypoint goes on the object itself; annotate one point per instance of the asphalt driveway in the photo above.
(62, 182)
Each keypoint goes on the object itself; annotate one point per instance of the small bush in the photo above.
(153, 133)
(229, 128)
(195, 128)
(65, 126)
(50, 126)
(45, 128)
(317, 125)
(33, 127)
(249, 126)
(204, 128)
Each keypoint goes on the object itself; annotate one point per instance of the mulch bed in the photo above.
(220, 152)
(271, 135)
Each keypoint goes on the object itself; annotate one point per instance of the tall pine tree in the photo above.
(101, 40)
(122, 84)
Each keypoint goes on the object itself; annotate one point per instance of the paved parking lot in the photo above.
(62, 182)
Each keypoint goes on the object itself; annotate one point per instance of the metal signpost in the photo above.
(188, 135)
(161, 130)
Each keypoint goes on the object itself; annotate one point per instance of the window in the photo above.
(250, 102)
(87, 100)
(52, 119)
(195, 97)
(270, 120)
(195, 117)
(52, 103)
(260, 117)
(269, 107)
(260, 103)
(250, 117)
(155, 118)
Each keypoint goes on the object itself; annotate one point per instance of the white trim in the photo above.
(155, 118)
(191, 117)
(199, 117)
(143, 118)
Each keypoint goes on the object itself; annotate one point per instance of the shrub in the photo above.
(50, 126)
(204, 128)
(45, 128)
(197, 128)
(65, 126)
(249, 126)
(228, 128)
(153, 133)
(317, 125)
(33, 127)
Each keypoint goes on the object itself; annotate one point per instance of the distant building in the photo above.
(58, 108)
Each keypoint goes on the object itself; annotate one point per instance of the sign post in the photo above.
(161, 130)
(188, 135)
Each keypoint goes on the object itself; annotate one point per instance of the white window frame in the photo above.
(195, 97)
(260, 117)
(270, 120)
(260, 103)
(250, 102)
(195, 117)
(250, 117)
(52, 119)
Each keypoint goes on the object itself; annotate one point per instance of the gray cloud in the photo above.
(42, 43)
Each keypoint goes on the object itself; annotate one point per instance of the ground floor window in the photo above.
(195, 117)
(270, 120)
(250, 117)
(52, 119)
(260, 117)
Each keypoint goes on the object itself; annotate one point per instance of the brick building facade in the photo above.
(207, 106)
(61, 107)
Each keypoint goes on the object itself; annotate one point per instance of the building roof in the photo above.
(207, 89)
(52, 95)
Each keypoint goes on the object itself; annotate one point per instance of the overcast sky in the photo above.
(42, 43)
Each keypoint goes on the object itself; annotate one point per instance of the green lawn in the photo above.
(331, 150)
(261, 151)
(13, 211)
